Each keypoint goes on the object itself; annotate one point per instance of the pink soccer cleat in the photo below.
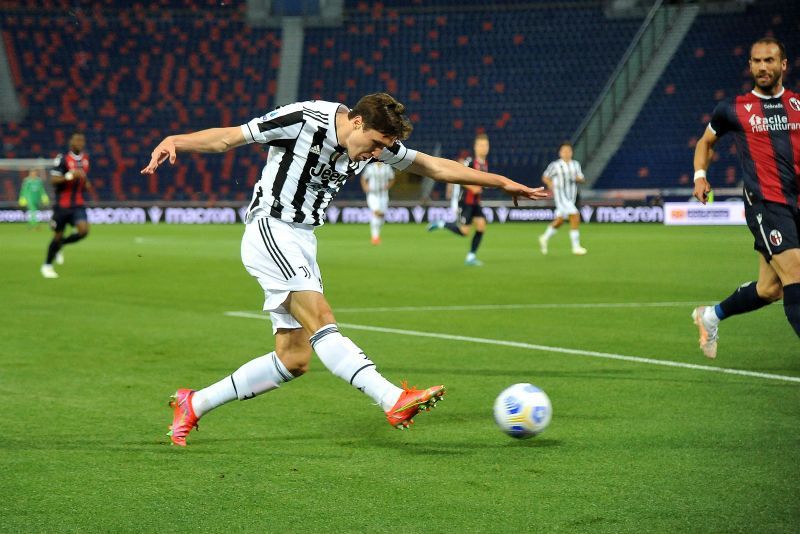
(183, 418)
(411, 401)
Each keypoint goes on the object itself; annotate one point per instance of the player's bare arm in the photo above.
(445, 170)
(211, 141)
(703, 153)
(364, 185)
(547, 182)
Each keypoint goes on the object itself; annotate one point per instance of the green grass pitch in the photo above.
(87, 363)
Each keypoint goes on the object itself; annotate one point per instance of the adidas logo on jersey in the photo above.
(315, 150)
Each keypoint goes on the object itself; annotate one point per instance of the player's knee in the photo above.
(296, 359)
(771, 290)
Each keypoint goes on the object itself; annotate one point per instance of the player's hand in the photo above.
(701, 190)
(165, 150)
(520, 191)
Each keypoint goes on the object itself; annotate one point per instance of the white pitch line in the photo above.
(537, 306)
(545, 348)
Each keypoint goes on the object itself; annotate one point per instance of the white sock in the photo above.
(344, 359)
(257, 376)
(575, 237)
(375, 226)
(550, 232)
(710, 315)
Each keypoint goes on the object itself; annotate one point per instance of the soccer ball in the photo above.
(522, 410)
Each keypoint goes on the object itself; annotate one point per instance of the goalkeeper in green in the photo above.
(32, 195)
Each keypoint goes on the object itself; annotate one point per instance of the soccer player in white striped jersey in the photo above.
(314, 147)
(376, 180)
(562, 177)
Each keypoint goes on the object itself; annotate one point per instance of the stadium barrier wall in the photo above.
(695, 214)
(347, 214)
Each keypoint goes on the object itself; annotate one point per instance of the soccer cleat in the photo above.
(411, 401)
(59, 259)
(475, 262)
(183, 417)
(435, 226)
(579, 251)
(48, 271)
(376, 240)
(543, 244)
(708, 333)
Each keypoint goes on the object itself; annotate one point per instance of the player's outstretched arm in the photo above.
(211, 141)
(445, 170)
(703, 153)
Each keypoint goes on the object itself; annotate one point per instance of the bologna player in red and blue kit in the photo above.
(766, 126)
(70, 183)
(470, 211)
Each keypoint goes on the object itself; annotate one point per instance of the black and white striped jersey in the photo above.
(305, 166)
(565, 175)
(378, 177)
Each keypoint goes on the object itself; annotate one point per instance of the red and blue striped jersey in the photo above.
(470, 198)
(69, 194)
(767, 135)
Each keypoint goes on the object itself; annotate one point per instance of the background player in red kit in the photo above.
(470, 211)
(766, 126)
(69, 178)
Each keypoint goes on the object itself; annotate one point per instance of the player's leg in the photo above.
(268, 253)
(259, 375)
(339, 354)
(375, 223)
(349, 362)
(748, 297)
(376, 218)
(550, 231)
(479, 223)
(574, 233)
(59, 223)
(33, 209)
(787, 267)
(81, 227)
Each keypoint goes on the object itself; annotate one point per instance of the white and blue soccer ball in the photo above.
(522, 410)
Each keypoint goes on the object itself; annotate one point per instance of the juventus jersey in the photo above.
(565, 177)
(305, 166)
(378, 177)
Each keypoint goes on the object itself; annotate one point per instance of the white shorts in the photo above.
(378, 201)
(282, 256)
(565, 208)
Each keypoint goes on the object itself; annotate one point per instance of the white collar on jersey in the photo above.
(74, 155)
(767, 97)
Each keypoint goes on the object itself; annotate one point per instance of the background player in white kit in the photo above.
(376, 180)
(315, 147)
(562, 177)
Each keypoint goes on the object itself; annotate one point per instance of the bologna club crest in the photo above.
(775, 238)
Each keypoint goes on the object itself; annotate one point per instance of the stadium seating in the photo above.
(711, 64)
(130, 73)
(525, 76)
